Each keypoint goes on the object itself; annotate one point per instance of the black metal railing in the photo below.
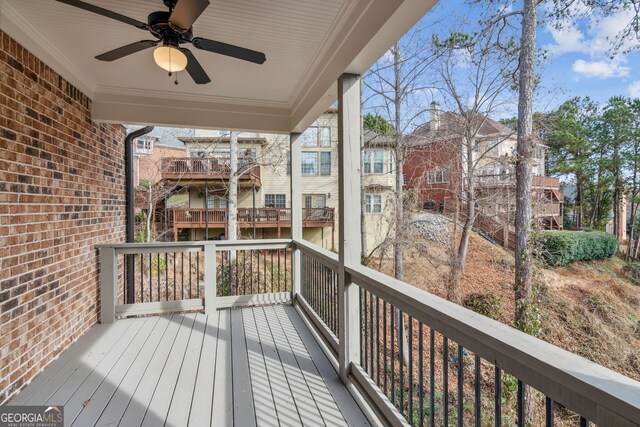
(253, 271)
(319, 288)
(162, 276)
(434, 381)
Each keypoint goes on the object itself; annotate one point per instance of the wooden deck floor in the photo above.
(242, 367)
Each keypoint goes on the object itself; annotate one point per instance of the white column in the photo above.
(349, 243)
(296, 207)
(108, 284)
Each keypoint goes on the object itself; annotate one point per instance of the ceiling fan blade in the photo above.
(194, 68)
(105, 12)
(229, 50)
(186, 12)
(123, 51)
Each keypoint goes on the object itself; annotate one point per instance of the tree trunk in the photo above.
(398, 247)
(525, 150)
(233, 189)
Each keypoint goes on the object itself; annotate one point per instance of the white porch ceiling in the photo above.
(308, 44)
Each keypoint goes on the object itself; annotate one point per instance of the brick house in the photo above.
(148, 152)
(436, 165)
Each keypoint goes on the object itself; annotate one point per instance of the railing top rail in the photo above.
(223, 244)
(328, 257)
(579, 384)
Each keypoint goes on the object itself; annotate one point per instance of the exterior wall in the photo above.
(430, 157)
(148, 166)
(62, 190)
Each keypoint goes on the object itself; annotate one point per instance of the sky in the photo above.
(579, 59)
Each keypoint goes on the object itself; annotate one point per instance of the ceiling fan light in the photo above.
(170, 59)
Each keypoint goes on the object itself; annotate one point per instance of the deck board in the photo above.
(238, 367)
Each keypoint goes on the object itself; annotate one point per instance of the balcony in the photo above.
(209, 169)
(538, 182)
(249, 217)
(252, 333)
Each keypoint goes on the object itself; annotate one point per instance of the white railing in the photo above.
(405, 332)
(154, 278)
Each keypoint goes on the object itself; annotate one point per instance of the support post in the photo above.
(108, 285)
(349, 243)
(210, 286)
(296, 208)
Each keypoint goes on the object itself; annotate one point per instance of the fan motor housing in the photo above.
(161, 28)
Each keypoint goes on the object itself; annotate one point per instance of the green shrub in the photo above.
(483, 303)
(565, 247)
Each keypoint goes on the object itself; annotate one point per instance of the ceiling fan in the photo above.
(171, 29)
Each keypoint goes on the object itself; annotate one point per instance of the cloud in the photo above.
(600, 69)
(592, 35)
(634, 89)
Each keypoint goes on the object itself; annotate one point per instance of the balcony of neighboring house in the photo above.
(209, 170)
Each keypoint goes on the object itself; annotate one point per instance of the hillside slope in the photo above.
(587, 308)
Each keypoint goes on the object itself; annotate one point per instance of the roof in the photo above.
(374, 139)
(452, 125)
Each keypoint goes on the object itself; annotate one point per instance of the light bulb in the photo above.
(170, 59)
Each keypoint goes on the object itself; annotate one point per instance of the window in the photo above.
(317, 136)
(288, 162)
(325, 136)
(374, 161)
(438, 177)
(373, 203)
(198, 153)
(215, 201)
(309, 163)
(325, 163)
(315, 200)
(275, 200)
(392, 162)
(144, 146)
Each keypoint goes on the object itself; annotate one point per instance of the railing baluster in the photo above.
(166, 276)
(174, 275)
(445, 381)
(378, 340)
(478, 396)
(141, 278)
(460, 385)
(549, 406)
(150, 279)
(371, 323)
(392, 315)
(432, 378)
(520, 404)
(420, 374)
(198, 273)
(384, 344)
(498, 397)
(158, 274)
(401, 355)
(410, 346)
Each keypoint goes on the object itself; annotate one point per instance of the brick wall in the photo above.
(148, 166)
(62, 190)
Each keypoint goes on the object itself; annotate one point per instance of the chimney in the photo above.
(434, 112)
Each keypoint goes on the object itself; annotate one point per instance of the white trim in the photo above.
(159, 307)
(254, 299)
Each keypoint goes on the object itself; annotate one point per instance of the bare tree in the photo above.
(394, 89)
(475, 81)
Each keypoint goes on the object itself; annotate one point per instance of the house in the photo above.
(436, 168)
(147, 152)
(246, 332)
(264, 196)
